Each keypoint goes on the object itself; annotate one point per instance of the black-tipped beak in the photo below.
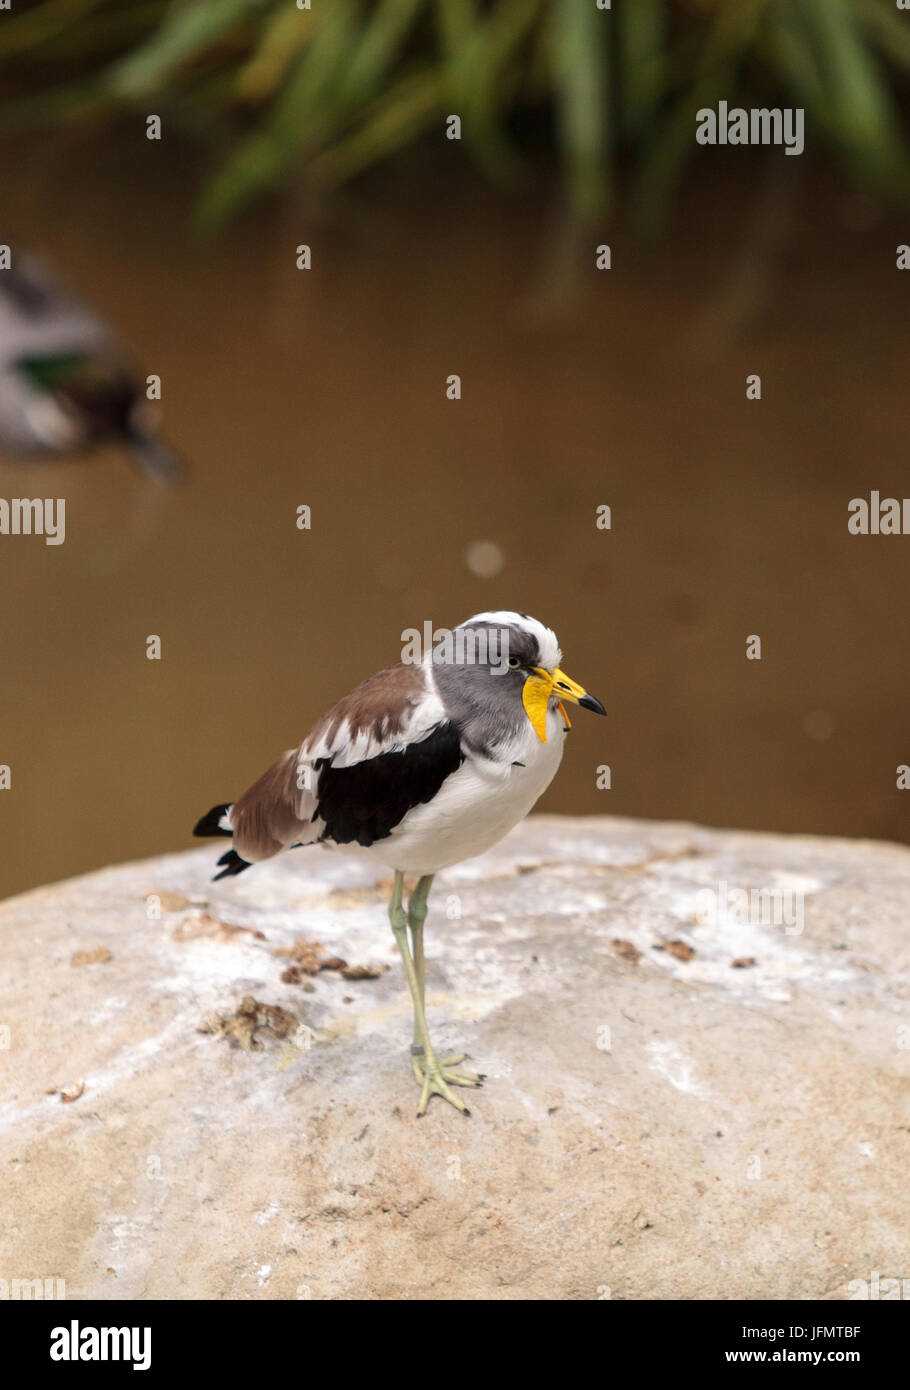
(564, 688)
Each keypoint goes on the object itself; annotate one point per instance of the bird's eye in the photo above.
(514, 662)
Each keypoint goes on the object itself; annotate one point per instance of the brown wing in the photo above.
(387, 715)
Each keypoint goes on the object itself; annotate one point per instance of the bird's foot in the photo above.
(434, 1076)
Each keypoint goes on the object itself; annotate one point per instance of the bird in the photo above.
(65, 383)
(426, 763)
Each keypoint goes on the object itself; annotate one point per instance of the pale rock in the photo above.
(651, 1127)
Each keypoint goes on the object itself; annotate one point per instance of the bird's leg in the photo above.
(432, 1074)
(417, 915)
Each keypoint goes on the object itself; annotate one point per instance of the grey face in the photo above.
(480, 675)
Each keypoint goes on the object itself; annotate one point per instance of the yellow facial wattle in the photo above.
(535, 697)
(539, 688)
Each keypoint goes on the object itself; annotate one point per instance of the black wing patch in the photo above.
(363, 803)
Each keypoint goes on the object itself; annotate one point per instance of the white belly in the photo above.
(475, 807)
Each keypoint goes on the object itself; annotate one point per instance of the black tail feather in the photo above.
(235, 865)
(211, 822)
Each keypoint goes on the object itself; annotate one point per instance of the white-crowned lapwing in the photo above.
(426, 763)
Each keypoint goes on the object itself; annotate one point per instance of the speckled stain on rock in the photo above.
(652, 1127)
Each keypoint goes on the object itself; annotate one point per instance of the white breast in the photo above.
(476, 806)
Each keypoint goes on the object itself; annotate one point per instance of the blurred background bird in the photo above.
(65, 382)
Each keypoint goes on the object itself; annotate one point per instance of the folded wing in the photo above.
(384, 748)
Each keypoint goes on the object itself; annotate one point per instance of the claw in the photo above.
(436, 1076)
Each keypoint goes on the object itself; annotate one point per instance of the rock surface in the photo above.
(658, 1121)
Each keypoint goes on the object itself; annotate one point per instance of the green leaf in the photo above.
(455, 19)
(889, 31)
(580, 75)
(184, 34)
(405, 112)
(481, 74)
(380, 44)
(712, 75)
(845, 90)
(38, 27)
(286, 33)
(642, 34)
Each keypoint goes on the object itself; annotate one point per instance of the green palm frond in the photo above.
(326, 91)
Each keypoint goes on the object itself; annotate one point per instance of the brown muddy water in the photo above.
(327, 388)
